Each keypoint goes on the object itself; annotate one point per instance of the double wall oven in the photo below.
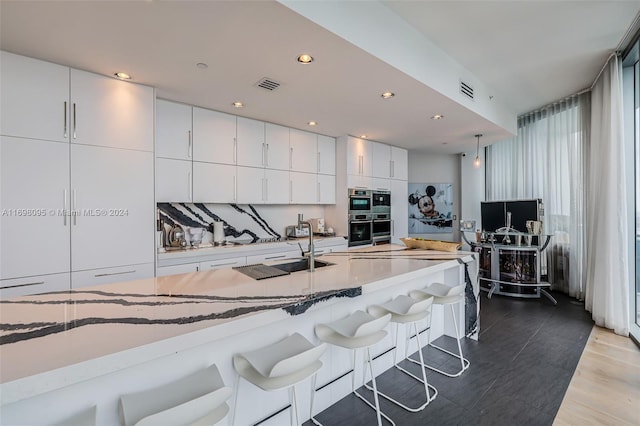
(369, 217)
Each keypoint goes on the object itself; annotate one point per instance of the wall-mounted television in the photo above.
(493, 214)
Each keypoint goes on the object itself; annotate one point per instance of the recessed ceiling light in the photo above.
(363, 136)
(437, 117)
(122, 76)
(312, 123)
(387, 95)
(305, 58)
(202, 65)
(237, 104)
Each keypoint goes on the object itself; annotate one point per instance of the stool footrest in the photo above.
(285, 408)
(465, 362)
(406, 407)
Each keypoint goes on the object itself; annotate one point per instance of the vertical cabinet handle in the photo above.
(75, 136)
(65, 119)
(190, 147)
(267, 160)
(64, 207)
(390, 168)
(74, 213)
(235, 150)
(291, 158)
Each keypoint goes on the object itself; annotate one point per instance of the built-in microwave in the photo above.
(359, 201)
(380, 201)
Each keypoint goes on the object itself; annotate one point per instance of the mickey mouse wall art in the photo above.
(430, 208)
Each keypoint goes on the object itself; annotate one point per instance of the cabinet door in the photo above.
(399, 210)
(251, 186)
(34, 198)
(304, 188)
(383, 184)
(358, 157)
(380, 160)
(277, 147)
(250, 143)
(35, 285)
(214, 136)
(110, 112)
(326, 189)
(399, 163)
(118, 274)
(112, 190)
(173, 181)
(164, 271)
(326, 155)
(173, 130)
(358, 181)
(304, 148)
(223, 263)
(276, 186)
(214, 183)
(34, 99)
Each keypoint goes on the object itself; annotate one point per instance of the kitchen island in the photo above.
(73, 350)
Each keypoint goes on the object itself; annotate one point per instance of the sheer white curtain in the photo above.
(607, 285)
(547, 160)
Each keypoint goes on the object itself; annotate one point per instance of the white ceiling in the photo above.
(530, 52)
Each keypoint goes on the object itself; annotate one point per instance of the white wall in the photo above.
(430, 168)
(472, 184)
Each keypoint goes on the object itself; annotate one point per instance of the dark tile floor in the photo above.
(520, 370)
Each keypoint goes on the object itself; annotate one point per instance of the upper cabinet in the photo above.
(326, 155)
(214, 136)
(109, 112)
(34, 98)
(174, 138)
(251, 144)
(276, 147)
(399, 163)
(303, 145)
(359, 156)
(389, 162)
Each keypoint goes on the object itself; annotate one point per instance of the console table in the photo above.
(511, 269)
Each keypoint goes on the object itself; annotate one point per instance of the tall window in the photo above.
(546, 160)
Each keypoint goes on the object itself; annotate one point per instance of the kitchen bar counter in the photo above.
(54, 340)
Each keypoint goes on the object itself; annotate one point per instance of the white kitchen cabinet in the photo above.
(34, 99)
(34, 285)
(326, 155)
(163, 271)
(381, 160)
(34, 197)
(100, 276)
(174, 180)
(262, 186)
(111, 189)
(214, 183)
(277, 147)
(229, 262)
(303, 146)
(382, 184)
(399, 163)
(304, 188)
(214, 136)
(358, 181)
(174, 138)
(326, 189)
(359, 154)
(110, 112)
(399, 210)
(250, 140)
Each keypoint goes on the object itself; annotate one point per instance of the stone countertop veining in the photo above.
(92, 322)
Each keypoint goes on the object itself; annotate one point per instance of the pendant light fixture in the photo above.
(476, 162)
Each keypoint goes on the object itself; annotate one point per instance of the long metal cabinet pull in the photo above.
(390, 168)
(75, 136)
(23, 285)
(64, 207)
(65, 119)
(291, 158)
(235, 150)
(267, 162)
(263, 154)
(190, 148)
(114, 273)
(73, 209)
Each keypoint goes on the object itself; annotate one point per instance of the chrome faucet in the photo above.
(311, 252)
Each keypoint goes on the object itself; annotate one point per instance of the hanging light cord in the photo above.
(477, 160)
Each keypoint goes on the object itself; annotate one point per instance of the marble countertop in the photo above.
(44, 332)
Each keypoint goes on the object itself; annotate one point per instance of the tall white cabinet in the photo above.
(76, 168)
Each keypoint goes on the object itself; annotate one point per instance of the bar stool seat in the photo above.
(359, 330)
(280, 365)
(408, 311)
(447, 296)
(198, 398)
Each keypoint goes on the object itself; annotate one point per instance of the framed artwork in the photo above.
(430, 208)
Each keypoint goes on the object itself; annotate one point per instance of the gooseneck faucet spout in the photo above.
(311, 252)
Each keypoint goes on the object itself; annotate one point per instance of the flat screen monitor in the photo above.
(492, 215)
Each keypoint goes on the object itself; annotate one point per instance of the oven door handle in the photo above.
(359, 221)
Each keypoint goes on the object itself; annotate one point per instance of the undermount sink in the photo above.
(300, 265)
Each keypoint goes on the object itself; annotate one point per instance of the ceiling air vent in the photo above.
(466, 89)
(268, 84)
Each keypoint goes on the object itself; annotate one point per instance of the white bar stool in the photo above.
(408, 311)
(445, 296)
(198, 398)
(280, 365)
(357, 331)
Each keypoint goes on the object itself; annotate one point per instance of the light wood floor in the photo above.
(605, 388)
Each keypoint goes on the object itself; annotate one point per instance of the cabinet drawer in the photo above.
(223, 263)
(34, 285)
(259, 258)
(111, 275)
(163, 271)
